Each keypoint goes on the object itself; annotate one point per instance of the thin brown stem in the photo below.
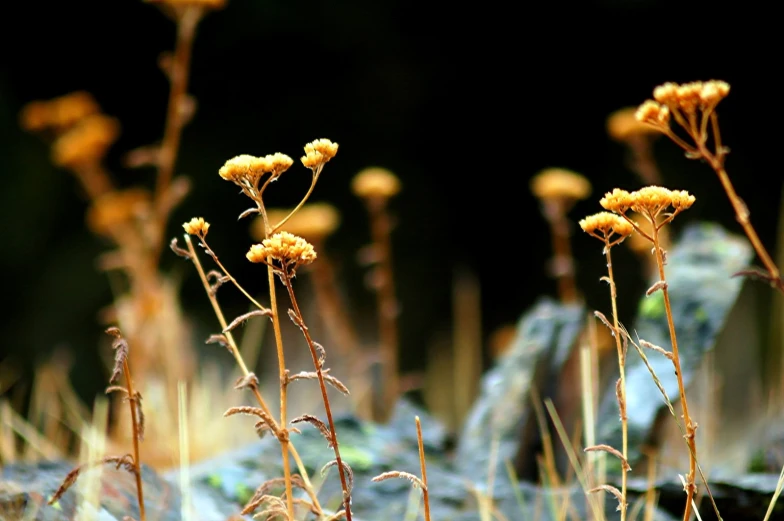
(286, 278)
(423, 467)
(238, 358)
(380, 225)
(690, 426)
(284, 440)
(742, 215)
(178, 77)
(622, 370)
(278, 226)
(137, 468)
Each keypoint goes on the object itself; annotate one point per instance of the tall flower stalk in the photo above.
(612, 230)
(660, 206)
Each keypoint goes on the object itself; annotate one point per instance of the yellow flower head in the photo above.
(197, 226)
(288, 249)
(245, 169)
(617, 201)
(86, 142)
(623, 124)
(560, 183)
(375, 182)
(605, 224)
(318, 153)
(689, 97)
(654, 199)
(653, 113)
(117, 208)
(314, 221)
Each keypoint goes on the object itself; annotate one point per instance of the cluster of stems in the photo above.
(282, 253)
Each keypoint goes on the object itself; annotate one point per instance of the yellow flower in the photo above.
(318, 153)
(197, 226)
(288, 249)
(244, 169)
(606, 224)
(616, 201)
(653, 199)
(653, 113)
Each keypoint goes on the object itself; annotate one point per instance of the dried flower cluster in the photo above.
(650, 200)
(197, 226)
(318, 153)
(684, 99)
(247, 170)
(605, 224)
(288, 249)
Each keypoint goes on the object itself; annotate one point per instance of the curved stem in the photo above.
(286, 278)
(231, 278)
(296, 208)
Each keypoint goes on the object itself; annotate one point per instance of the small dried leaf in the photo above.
(337, 384)
(600, 316)
(249, 381)
(139, 414)
(610, 450)
(346, 467)
(218, 339)
(320, 425)
(120, 346)
(116, 388)
(249, 211)
(179, 251)
(242, 318)
(612, 490)
(660, 285)
(321, 352)
(648, 345)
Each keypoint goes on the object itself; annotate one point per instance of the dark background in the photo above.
(465, 103)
